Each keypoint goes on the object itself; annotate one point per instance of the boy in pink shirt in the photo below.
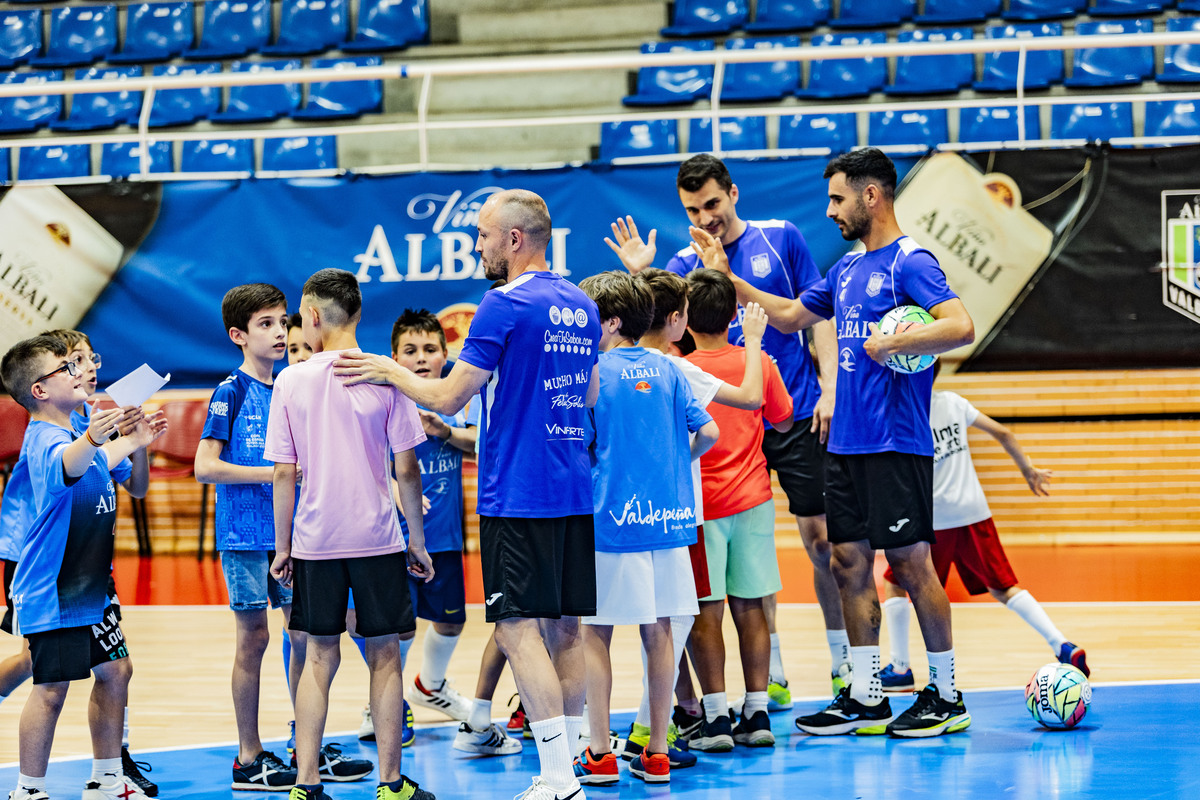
(340, 438)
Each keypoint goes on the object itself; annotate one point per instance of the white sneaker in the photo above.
(540, 791)
(120, 789)
(25, 793)
(491, 741)
(446, 700)
(366, 731)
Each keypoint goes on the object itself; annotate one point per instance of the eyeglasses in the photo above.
(79, 360)
(68, 367)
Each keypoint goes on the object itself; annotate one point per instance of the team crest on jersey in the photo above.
(642, 387)
(760, 265)
(875, 283)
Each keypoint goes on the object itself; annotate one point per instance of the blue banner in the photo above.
(409, 238)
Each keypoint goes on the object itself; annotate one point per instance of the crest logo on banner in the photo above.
(1181, 250)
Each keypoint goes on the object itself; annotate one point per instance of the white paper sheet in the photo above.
(137, 387)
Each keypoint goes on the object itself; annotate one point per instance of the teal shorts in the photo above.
(741, 554)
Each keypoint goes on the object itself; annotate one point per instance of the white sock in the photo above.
(715, 705)
(897, 618)
(106, 770)
(125, 730)
(28, 783)
(574, 726)
(405, 646)
(839, 648)
(435, 658)
(755, 702)
(776, 670)
(941, 673)
(866, 687)
(1027, 608)
(481, 715)
(554, 751)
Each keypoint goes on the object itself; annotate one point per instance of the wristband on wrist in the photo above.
(88, 433)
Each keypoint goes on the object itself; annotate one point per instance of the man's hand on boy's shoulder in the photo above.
(355, 368)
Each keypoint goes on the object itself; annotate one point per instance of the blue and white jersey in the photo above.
(772, 255)
(62, 573)
(877, 409)
(641, 459)
(237, 416)
(441, 483)
(539, 338)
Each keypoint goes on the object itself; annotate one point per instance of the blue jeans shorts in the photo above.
(248, 579)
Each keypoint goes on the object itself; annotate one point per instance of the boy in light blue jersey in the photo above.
(641, 426)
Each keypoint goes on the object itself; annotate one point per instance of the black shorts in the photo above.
(884, 498)
(113, 600)
(70, 654)
(321, 589)
(538, 568)
(443, 599)
(798, 458)
(10, 569)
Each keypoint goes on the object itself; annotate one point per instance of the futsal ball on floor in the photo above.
(1058, 696)
(898, 320)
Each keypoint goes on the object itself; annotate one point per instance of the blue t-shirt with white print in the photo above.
(441, 482)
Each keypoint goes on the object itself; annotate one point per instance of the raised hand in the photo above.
(754, 322)
(710, 250)
(104, 423)
(634, 253)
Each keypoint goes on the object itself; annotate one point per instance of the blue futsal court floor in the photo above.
(1138, 741)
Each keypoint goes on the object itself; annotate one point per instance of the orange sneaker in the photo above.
(651, 767)
(601, 771)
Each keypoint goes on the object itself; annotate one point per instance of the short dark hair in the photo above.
(713, 301)
(339, 287)
(20, 366)
(416, 321)
(698, 170)
(242, 302)
(617, 294)
(670, 294)
(869, 165)
(295, 321)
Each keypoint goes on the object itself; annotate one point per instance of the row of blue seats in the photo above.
(711, 17)
(261, 103)
(82, 35)
(119, 160)
(853, 77)
(914, 128)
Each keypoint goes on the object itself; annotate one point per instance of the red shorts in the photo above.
(700, 564)
(977, 553)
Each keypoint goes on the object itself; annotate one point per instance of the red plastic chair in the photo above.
(13, 420)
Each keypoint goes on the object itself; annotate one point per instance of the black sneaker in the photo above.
(847, 715)
(931, 716)
(334, 766)
(713, 737)
(687, 724)
(754, 732)
(266, 773)
(133, 771)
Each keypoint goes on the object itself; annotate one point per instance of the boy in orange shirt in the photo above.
(739, 523)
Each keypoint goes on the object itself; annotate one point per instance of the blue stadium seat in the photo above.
(51, 162)
(763, 80)
(155, 32)
(90, 112)
(5, 166)
(123, 159)
(1044, 9)
(1115, 8)
(933, 74)
(625, 139)
(1091, 121)
(664, 86)
(389, 25)
(310, 26)
(342, 99)
(845, 77)
(737, 133)
(997, 124)
(789, 15)
(942, 11)
(926, 127)
(28, 113)
(233, 28)
(79, 35)
(1112, 66)
(1181, 62)
(873, 13)
(20, 36)
(185, 106)
(1189, 5)
(1173, 118)
(217, 155)
(263, 102)
(706, 17)
(300, 152)
(1042, 67)
(838, 132)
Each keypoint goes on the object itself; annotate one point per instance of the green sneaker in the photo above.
(409, 790)
(639, 739)
(842, 678)
(779, 696)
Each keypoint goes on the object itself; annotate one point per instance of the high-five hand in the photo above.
(634, 253)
